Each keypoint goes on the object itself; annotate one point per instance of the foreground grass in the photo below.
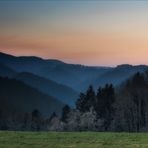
(72, 140)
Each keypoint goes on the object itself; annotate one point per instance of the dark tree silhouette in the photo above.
(86, 101)
(131, 105)
(65, 112)
(36, 120)
(104, 104)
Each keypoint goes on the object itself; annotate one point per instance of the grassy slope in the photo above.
(72, 140)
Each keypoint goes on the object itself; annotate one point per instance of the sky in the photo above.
(98, 33)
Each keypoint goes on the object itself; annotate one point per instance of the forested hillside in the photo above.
(123, 108)
(22, 97)
(63, 93)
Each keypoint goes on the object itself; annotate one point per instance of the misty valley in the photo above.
(50, 95)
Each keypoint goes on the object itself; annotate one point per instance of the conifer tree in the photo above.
(86, 101)
(65, 112)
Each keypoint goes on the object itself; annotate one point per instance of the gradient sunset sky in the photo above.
(104, 33)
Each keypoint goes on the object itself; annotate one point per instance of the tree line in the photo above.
(124, 108)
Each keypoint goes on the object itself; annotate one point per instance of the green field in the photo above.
(72, 140)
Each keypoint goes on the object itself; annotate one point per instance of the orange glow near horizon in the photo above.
(88, 34)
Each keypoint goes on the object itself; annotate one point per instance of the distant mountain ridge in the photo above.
(67, 74)
(5, 71)
(77, 77)
(63, 93)
(118, 74)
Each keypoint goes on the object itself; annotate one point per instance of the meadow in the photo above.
(10, 139)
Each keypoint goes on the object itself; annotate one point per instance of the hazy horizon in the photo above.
(93, 33)
(110, 66)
